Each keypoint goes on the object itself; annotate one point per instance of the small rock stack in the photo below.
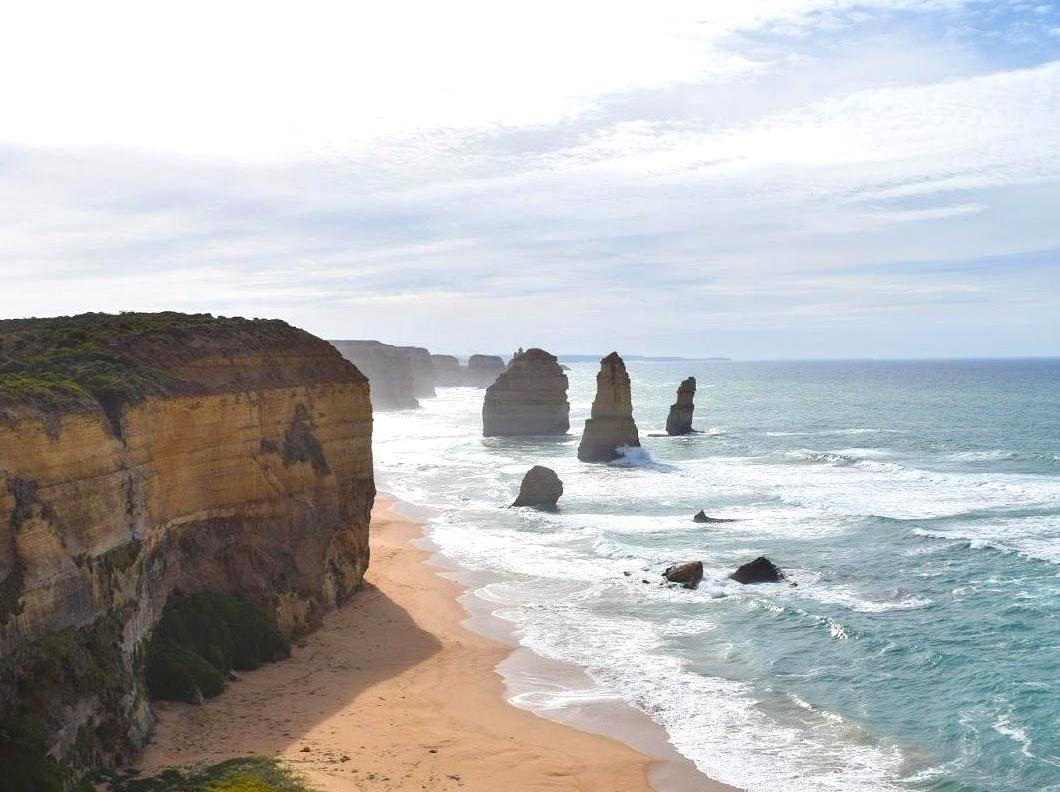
(611, 424)
(541, 488)
(679, 421)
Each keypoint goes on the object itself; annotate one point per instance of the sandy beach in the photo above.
(393, 693)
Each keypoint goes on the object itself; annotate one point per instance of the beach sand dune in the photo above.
(392, 693)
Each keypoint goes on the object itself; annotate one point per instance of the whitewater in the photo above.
(916, 504)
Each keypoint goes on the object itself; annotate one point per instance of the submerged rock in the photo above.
(541, 488)
(482, 370)
(761, 570)
(679, 421)
(528, 398)
(688, 575)
(611, 424)
(702, 517)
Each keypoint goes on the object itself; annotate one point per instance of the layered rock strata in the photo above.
(483, 370)
(528, 398)
(679, 421)
(540, 488)
(610, 425)
(392, 371)
(243, 465)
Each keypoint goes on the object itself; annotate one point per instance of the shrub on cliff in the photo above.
(203, 636)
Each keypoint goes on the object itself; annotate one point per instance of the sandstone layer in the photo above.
(528, 398)
(679, 421)
(483, 370)
(245, 467)
(395, 377)
(610, 425)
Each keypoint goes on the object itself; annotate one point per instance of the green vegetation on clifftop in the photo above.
(67, 361)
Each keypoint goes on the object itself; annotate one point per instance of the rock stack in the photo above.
(611, 425)
(447, 371)
(389, 370)
(679, 421)
(422, 371)
(541, 488)
(482, 370)
(528, 398)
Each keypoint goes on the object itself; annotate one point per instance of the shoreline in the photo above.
(415, 701)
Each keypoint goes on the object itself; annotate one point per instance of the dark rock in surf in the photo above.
(679, 421)
(761, 570)
(688, 575)
(702, 517)
(541, 488)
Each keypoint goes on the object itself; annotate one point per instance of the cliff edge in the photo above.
(146, 454)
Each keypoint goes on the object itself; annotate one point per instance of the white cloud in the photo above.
(466, 170)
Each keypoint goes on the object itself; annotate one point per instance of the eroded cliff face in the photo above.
(252, 475)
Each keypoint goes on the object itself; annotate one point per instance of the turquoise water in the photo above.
(917, 505)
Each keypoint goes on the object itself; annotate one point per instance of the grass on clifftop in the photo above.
(70, 360)
(203, 636)
(251, 774)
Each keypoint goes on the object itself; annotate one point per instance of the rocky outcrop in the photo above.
(541, 488)
(761, 570)
(610, 425)
(447, 371)
(422, 371)
(679, 421)
(702, 517)
(242, 465)
(391, 372)
(688, 575)
(528, 398)
(483, 370)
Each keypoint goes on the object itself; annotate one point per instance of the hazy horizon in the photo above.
(773, 179)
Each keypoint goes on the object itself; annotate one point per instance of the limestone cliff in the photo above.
(528, 398)
(483, 370)
(679, 421)
(610, 425)
(239, 460)
(395, 376)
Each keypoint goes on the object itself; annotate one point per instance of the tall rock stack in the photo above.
(528, 398)
(679, 421)
(389, 370)
(447, 371)
(611, 424)
(483, 370)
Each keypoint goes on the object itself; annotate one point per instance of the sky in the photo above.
(753, 179)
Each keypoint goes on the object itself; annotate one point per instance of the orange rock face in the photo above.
(253, 477)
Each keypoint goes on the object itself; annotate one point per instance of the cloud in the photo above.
(596, 174)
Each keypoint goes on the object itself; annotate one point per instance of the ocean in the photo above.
(915, 503)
